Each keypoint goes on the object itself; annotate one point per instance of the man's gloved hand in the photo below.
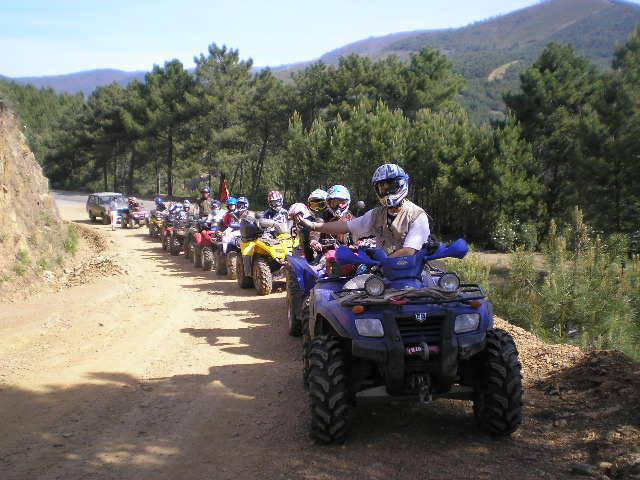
(304, 223)
(315, 245)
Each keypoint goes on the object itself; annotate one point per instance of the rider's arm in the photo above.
(359, 227)
(331, 228)
(417, 236)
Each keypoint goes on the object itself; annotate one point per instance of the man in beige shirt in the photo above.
(399, 226)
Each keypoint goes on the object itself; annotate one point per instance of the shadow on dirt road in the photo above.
(246, 417)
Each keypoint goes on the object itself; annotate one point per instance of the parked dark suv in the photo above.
(98, 205)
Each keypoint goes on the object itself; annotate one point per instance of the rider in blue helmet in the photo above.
(337, 210)
(231, 216)
(338, 201)
(160, 205)
(242, 207)
(399, 226)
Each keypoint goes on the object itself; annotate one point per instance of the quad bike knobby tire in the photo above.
(306, 343)
(233, 259)
(92, 218)
(197, 256)
(243, 281)
(207, 259)
(331, 402)
(133, 224)
(106, 220)
(221, 263)
(295, 297)
(188, 248)
(165, 242)
(497, 404)
(262, 278)
(174, 245)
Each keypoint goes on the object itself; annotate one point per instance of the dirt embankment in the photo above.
(36, 245)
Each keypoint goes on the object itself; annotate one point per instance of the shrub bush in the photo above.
(588, 294)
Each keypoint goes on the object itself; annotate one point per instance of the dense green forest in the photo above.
(569, 138)
(559, 174)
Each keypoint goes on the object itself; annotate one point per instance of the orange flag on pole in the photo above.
(224, 191)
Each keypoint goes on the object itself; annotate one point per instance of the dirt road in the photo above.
(171, 373)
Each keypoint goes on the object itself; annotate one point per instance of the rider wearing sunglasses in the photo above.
(399, 226)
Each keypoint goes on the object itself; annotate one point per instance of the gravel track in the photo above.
(169, 372)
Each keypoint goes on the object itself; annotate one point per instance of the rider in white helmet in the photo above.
(317, 201)
(399, 226)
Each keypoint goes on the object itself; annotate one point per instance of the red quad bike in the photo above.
(197, 225)
(135, 216)
(206, 244)
(167, 230)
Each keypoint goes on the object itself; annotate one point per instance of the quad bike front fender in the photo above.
(305, 275)
(278, 252)
(320, 310)
(247, 250)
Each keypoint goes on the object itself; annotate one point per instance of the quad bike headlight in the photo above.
(467, 322)
(369, 327)
(449, 282)
(358, 282)
(374, 286)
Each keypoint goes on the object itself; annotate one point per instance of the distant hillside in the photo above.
(509, 44)
(593, 26)
(490, 54)
(85, 82)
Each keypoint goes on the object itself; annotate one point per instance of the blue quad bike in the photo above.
(401, 329)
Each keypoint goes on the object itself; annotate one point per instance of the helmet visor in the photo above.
(275, 203)
(338, 203)
(388, 187)
(317, 205)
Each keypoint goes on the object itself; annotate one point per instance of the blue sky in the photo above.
(53, 37)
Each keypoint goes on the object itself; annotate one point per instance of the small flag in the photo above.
(224, 190)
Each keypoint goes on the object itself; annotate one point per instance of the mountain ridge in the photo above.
(594, 27)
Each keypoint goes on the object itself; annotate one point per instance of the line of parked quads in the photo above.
(373, 327)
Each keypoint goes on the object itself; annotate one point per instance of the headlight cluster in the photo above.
(369, 327)
(467, 322)
(449, 282)
(372, 284)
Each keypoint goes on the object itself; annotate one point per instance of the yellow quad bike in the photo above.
(265, 245)
(156, 223)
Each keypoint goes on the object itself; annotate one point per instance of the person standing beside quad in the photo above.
(400, 227)
(113, 212)
(204, 205)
